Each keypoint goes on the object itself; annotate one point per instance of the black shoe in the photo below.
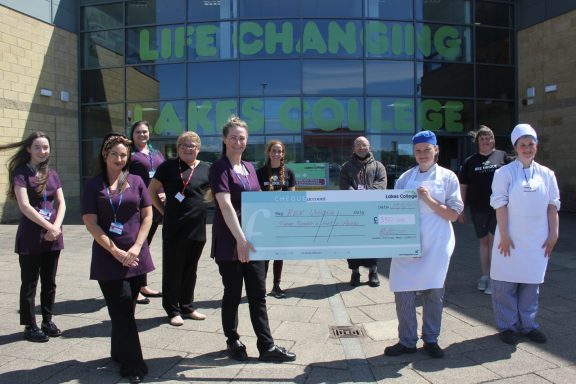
(277, 354)
(509, 337)
(34, 334)
(355, 279)
(373, 280)
(137, 378)
(398, 349)
(277, 292)
(537, 336)
(143, 301)
(237, 351)
(157, 294)
(434, 350)
(51, 329)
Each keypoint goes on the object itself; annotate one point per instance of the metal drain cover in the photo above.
(345, 331)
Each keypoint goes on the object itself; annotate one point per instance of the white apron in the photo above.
(437, 240)
(528, 228)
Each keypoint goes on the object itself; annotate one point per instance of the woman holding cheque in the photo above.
(440, 203)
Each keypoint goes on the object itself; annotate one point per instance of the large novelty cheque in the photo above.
(332, 224)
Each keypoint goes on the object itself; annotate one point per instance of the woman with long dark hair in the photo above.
(117, 211)
(274, 176)
(38, 190)
(145, 160)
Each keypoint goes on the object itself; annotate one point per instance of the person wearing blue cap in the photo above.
(440, 203)
(526, 198)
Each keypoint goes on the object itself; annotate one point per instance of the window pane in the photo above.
(389, 9)
(102, 17)
(103, 48)
(156, 44)
(266, 38)
(211, 41)
(389, 39)
(166, 118)
(102, 85)
(203, 10)
(445, 79)
(443, 42)
(390, 114)
(495, 82)
(389, 77)
(395, 152)
(90, 154)
(327, 77)
(155, 12)
(207, 117)
(273, 115)
(498, 115)
(98, 120)
(333, 114)
(448, 11)
(332, 150)
(213, 79)
(494, 46)
(155, 82)
(270, 77)
(331, 8)
(270, 8)
(334, 38)
(451, 116)
(494, 14)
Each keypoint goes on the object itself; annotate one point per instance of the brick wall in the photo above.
(547, 56)
(34, 56)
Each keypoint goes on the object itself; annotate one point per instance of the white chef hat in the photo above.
(523, 130)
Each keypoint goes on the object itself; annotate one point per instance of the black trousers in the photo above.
(151, 233)
(277, 269)
(179, 266)
(120, 296)
(234, 274)
(45, 266)
(357, 263)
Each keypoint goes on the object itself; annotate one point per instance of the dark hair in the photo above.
(482, 130)
(233, 121)
(282, 171)
(21, 157)
(133, 128)
(109, 141)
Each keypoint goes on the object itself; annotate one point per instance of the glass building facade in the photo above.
(313, 73)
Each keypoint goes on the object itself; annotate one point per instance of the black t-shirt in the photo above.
(477, 173)
(189, 216)
(264, 180)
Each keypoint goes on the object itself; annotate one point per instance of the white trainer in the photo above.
(483, 283)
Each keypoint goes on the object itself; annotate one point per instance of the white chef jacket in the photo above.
(436, 233)
(526, 192)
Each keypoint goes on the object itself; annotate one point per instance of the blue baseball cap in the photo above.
(424, 137)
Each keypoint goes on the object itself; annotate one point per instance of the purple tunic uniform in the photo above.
(142, 164)
(95, 201)
(30, 236)
(223, 178)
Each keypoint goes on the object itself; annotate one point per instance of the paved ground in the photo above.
(318, 297)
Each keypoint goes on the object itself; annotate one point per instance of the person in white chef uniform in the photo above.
(440, 203)
(526, 198)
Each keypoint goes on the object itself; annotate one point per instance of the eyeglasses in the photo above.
(188, 146)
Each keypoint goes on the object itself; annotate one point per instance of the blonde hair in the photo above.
(189, 135)
(233, 121)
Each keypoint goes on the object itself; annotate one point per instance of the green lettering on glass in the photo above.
(179, 42)
(424, 41)
(189, 35)
(146, 52)
(168, 122)
(355, 121)
(377, 123)
(252, 112)
(166, 48)
(285, 38)
(430, 115)
(377, 42)
(339, 37)
(327, 114)
(198, 118)
(206, 40)
(312, 39)
(137, 112)
(403, 115)
(225, 109)
(398, 40)
(409, 39)
(453, 116)
(447, 42)
(289, 114)
(254, 30)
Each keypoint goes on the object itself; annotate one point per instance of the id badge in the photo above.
(527, 187)
(179, 196)
(361, 187)
(151, 173)
(45, 213)
(116, 227)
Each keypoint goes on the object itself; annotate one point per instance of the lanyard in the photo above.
(114, 209)
(150, 158)
(526, 177)
(240, 178)
(185, 183)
